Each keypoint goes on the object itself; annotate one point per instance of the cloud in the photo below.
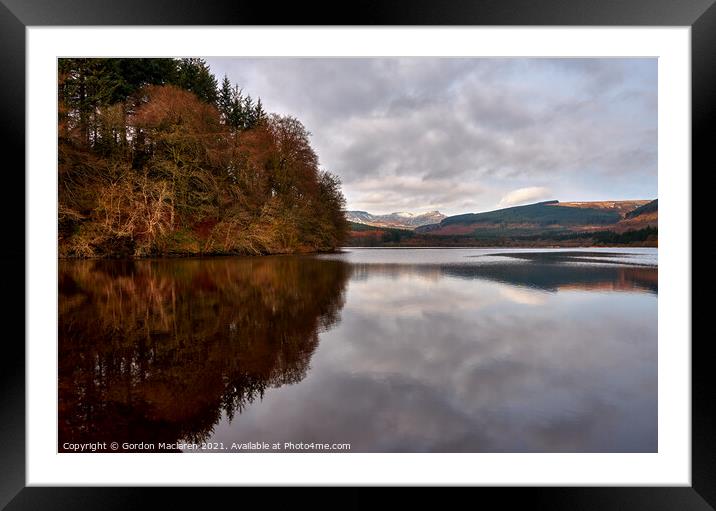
(463, 133)
(414, 193)
(525, 195)
(523, 296)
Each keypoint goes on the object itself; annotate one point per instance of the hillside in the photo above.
(549, 223)
(640, 218)
(543, 218)
(646, 209)
(623, 207)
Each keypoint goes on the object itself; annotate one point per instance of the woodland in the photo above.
(157, 158)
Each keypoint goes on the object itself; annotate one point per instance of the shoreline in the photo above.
(189, 256)
(509, 247)
(340, 250)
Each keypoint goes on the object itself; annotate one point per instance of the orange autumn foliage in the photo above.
(173, 179)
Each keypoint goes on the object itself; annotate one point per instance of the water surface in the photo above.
(388, 350)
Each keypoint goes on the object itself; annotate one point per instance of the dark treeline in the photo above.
(647, 235)
(157, 158)
(368, 236)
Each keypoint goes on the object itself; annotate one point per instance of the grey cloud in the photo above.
(488, 126)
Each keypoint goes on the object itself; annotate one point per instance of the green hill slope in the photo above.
(650, 207)
(541, 213)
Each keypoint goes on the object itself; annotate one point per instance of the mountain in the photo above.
(547, 218)
(400, 220)
(543, 224)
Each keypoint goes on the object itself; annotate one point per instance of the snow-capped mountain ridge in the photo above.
(398, 219)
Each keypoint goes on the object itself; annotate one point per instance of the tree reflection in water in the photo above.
(437, 350)
(156, 351)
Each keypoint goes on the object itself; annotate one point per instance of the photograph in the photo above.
(413, 245)
(395, 254)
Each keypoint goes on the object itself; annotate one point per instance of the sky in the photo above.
(463, 135)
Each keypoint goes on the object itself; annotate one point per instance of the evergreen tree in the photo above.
(259, 113)
(193, 74)
(236, 116)
(249, 113)
(226, 100)
(132, 74)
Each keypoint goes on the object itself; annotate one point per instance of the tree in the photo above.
(133, 74)
(226, 100)
(249, 113)
(149, 164)
(331, 204)
(259, 113)
(237, 112)
(193, 74)
(86, 87)
(238, 116)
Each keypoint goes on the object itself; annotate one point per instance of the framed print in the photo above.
(416, 246)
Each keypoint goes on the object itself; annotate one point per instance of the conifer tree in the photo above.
(259, 113)
(249, 113)
(236, 117)
(226, 100)
(195, 76)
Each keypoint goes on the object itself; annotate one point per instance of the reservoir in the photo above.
(365, 350)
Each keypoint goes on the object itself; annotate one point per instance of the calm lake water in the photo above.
(388, 350)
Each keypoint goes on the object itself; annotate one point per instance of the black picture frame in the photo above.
(16, 15)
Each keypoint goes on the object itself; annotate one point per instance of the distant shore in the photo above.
(496, 247)
(339, 250)
(505, 244)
